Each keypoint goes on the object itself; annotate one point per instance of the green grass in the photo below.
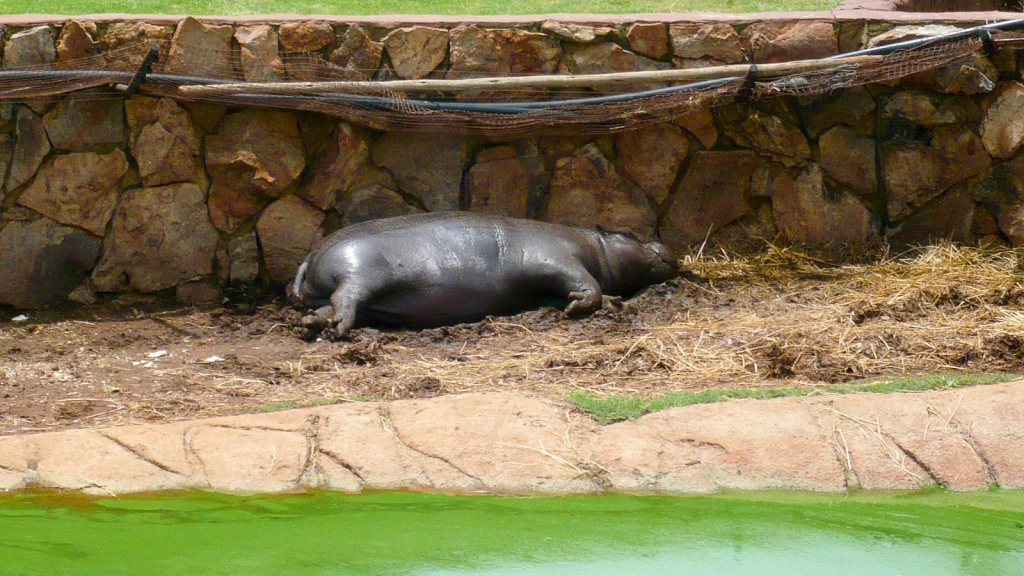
(440, 7)
(608, 409)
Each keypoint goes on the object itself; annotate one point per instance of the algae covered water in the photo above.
(324, 533)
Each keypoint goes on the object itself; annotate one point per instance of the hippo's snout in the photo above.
(667, 260)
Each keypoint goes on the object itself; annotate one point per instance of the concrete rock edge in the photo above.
(963, 439)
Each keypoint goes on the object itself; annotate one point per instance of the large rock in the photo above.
(1002, 131)
(607, 57)
(417, 50)
(160, 237)
(506, 181)
(701, 123)
(578, 33)
(358, 52)
(79, 124)
(479, 51)
(849, 158)
(30, 148)
(243, 259)
(308, 36)
(424, 166)
(78, 189)
(648, 38)
(713, 192)
(780, 41)
(199, 49)
(32, 47)
(651, 156)
(335, 168)
(372, 202)
(771, 132)
(254, 157)
(809, 214)
(287, 229)
(920, 108)
(42, 261)
(914, 173)
(1001, 192)
(717, 41)
(258, 52)
(587, 191)
(164, 141)
(76, 41)
(976, 76)
(854, 107)
(948, 217)
(135, 35)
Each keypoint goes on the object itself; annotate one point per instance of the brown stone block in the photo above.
(199, 49)
(651, 157)
(78, 189)
(160, 237)
(335, 168)
(43, 262)
(424, 166)
(779, 41)
(308, 36)
(714, 191)
(506, 180)
(587, 191)
(696, 40)
(287, 229)
(372, 202)
(417, 50)
(76, 41)
(649, 39)
(809, 214)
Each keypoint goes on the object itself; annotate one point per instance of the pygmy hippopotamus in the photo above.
(437, 269)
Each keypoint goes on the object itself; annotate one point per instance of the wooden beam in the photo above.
(623, 79)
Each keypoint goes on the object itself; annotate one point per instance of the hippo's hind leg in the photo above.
(345, 303)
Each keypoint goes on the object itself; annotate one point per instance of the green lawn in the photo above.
(369, 7)
(608, 409)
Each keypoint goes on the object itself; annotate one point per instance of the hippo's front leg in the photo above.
(582, 290)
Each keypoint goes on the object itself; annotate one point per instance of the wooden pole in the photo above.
(524, 82)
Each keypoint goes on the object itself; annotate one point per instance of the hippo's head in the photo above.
(635, 264)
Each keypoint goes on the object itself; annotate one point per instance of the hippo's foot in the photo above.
(611, 303)
(582, 303)
(315, 323)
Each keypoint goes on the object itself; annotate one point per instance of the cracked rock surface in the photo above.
(964, 439)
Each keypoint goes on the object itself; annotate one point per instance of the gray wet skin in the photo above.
(438, 269)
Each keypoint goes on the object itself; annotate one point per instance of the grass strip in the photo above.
(609, 409)
(439, 7)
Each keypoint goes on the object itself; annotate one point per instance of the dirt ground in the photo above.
(778, 317)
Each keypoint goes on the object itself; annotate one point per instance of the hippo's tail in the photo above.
(296, 288)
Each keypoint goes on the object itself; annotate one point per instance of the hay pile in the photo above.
(776, 317)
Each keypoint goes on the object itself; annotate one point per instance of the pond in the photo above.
(323, 533)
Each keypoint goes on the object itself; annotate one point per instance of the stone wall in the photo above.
(107, 194)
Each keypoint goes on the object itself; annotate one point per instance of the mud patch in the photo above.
(778, 318)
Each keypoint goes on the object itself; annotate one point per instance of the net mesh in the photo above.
(378, 107)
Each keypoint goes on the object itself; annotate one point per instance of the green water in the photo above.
(934, 534)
